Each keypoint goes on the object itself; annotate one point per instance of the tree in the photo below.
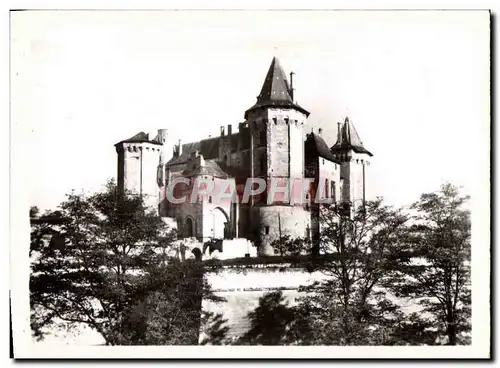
(349, 307)
(269, 322)
(288, 246)
(34, 211)
(168, 310)
(215, 329)
(111, 270)
(436, 266)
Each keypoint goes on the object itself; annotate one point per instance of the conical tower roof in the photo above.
(276, 90)
(348, 139)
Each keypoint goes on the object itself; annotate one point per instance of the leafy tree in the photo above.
(349, 306)
(436, 266)
(215, 329)
(288, 246)
(168, 309)
(269, 322)
(34, 211)
(111, 270)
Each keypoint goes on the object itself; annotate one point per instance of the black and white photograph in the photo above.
(250, 183)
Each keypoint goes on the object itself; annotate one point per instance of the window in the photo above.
(333, 189)
(267, 230)
(326, 188)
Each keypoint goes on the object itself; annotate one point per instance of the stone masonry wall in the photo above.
(284, 220)
(278, 150)
(138, 171)
(242, 287)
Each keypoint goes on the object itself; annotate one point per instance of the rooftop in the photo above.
(315, 144)
(140, 137)
(276, 91)
(348, 139)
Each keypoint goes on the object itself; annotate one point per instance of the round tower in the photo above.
(277, 156)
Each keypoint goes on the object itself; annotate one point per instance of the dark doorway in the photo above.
(189, 228)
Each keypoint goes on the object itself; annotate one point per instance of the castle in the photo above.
(270, 145)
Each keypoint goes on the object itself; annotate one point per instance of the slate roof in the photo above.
(276, 91)
(209, 148)
(140, 137)
(234, 171)
(349, 139)
(209, 168)
(316, 145)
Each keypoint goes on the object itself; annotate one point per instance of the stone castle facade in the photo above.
(269, 144)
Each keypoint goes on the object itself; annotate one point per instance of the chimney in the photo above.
(338, 131)
(179, 148)
(222, 131)
(347, 128)
(162, 135)
(291, 86)
(230, 143)
(320, 130)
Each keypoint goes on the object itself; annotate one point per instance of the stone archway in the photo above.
(220, 223)
(190, 229)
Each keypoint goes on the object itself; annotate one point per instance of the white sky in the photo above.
(415, 84)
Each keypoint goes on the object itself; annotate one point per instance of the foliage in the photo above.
(109, 268)
(269, 322)
(215, 329)
(107, 265)
(348, 307)
(438, 268)
(167, 311)
(34, 211)
(288, 246)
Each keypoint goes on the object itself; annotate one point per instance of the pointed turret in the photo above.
(348, 139)
(276, 91)
(355, 158)
(275, 124)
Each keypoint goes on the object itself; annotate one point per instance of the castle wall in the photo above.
(194, 212)
(296, 150)
(150, 188)
(285, 143)
(275, 221)
(326, 173)
(278, 150)
(214, 216)
(354, 170)
(242, 287)
(137, 170)
(329, 171)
